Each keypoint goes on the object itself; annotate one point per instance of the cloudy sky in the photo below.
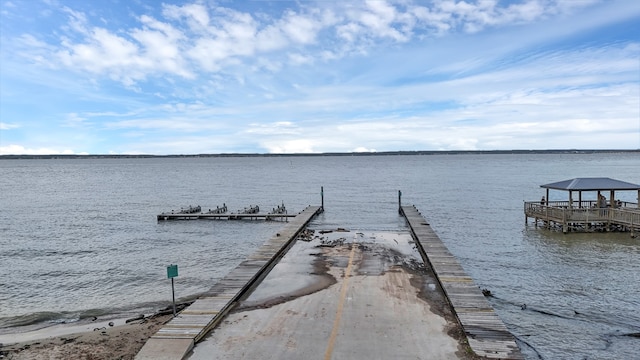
(200, 76)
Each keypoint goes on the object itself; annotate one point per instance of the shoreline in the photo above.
(96, 340)
(375, 153)
(100, 339)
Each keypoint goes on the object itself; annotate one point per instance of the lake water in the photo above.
(79, 237)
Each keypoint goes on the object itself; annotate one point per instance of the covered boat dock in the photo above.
(597, 210)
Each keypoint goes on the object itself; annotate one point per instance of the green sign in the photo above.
(172, 271)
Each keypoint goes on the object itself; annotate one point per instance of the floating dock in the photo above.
(220, 213)
(198, 216)
(176, 338)
(486, 333)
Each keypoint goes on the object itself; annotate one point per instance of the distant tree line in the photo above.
(378, 153)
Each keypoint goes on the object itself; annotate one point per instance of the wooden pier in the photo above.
(584, 216)
(600, 214)
(486, 333)
(220, 213)
(176, 338)
(199, 216)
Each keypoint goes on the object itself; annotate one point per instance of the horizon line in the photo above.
(371, 153)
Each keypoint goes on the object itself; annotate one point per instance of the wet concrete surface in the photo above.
(339, 294)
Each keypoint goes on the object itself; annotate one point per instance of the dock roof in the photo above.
(591, 184)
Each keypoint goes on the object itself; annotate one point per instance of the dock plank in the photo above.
(486, 333)
(198, 216)
(194, 322)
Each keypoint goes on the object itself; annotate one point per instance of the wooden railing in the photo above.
(628, 214)
(589, 204)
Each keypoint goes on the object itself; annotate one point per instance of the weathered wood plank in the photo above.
(487, 334)
(205, 313)
(196, 216)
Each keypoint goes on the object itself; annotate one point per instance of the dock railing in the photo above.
(625, 213)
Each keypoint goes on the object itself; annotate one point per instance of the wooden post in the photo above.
(612, 200)
(399, 201)
(570, 199)
(579, 199)
(322, 197)
(546, 211)
(172, 271)
(547, 197)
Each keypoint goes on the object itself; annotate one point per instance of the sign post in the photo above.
(172, 271)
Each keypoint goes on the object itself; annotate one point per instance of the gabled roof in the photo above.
(591, 184)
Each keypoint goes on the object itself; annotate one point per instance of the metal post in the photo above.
(173, 293)
(172, 271)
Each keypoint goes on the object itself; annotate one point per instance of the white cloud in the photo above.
(300, 59)
(196, 37)
(74, 120)
(174, 124)
(380, 17)
(8, 126)
(14, 149)
(129, 58)
(277, 128)
(197, 15)
(363, 149)
(161, 43)
(77, 20)
(297, 146)
(231, 35)
(335, 76)
(30, 41)
(299, 28)
(105, 52)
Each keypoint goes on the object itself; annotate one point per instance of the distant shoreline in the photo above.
(380, 153)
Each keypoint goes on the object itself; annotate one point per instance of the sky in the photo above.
(208, 77)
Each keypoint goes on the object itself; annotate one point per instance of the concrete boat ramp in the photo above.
(340, 294)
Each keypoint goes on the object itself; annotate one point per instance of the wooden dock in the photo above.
(176, 338)
(197, 216)
(486, 333)
(583, 216)
(599, 214)
(220, 213)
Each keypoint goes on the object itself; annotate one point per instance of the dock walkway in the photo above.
(486, 333)
(583, 216)
(198, 216)
(178, 336)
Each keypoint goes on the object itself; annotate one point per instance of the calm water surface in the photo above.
(79, 238)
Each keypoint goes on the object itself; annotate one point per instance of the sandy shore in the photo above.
(104, 342)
